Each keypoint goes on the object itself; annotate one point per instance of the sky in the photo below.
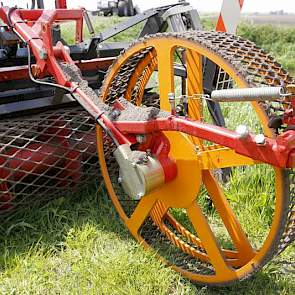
(201, 5)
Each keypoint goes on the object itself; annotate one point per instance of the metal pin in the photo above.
(243, 131)
(260, 139)
(171, 97)
(140, 138)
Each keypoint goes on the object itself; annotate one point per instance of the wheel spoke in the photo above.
(208, 240)
(228, 217)
(194, 83)
(140, 213)
(165, 73)
(221, 157)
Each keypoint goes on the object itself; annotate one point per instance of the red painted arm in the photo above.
(61, 4)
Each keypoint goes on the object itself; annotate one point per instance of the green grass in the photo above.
(77, 244)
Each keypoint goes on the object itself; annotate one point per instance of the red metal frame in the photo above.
(61, 4)
(34, 26)
(278, 152)
(21, 72)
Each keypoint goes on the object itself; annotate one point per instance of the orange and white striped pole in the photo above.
(229, 17)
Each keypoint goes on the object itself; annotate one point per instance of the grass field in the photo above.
(77, 244)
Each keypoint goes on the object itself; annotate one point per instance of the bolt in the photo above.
(140, 138)
(171, 98)
(197, 149)
(179, 110)
(149, 152)
(139, 196)
(36, 70)
(243, 131)
(260, 139)
(43, 53)
(67, 49)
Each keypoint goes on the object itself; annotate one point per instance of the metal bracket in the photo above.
(173, 17)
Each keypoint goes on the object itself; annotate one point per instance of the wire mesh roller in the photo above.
(45, 156)
(181, 234)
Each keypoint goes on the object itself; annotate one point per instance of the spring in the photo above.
(249, 94)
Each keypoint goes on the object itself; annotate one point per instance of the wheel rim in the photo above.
(226, 264)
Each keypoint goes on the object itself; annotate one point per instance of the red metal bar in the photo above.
(61, 14)
(21, 72)
(276, 152)
(61, 4)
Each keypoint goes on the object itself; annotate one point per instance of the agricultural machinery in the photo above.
(159, 119)
(120, 8)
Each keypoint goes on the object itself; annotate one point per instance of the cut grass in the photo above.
(77, 244)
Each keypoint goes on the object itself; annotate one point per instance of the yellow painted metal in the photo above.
(200, 223)
(194, 83)
(194, 169)
(165, 71)
(218, 157)
(238, 236)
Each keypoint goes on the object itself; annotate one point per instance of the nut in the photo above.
(260, 139)
(43, 54)
(243, 131)
(140, 138)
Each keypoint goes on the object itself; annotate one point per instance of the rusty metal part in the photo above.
(256, 68)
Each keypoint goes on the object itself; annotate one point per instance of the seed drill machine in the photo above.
(158, 118)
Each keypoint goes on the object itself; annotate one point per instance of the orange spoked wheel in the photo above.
(210, 231)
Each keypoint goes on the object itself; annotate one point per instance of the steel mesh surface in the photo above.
(45, 156)
(257, 69)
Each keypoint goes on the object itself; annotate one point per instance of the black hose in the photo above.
(42, 82)
(98, 121)
(106, 130)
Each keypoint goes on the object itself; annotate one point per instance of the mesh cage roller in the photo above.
(45, 156)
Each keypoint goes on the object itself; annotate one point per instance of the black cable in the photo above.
(29, 56)
(11, 26)
(98, 121)
(107, 132)
(43, 82)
